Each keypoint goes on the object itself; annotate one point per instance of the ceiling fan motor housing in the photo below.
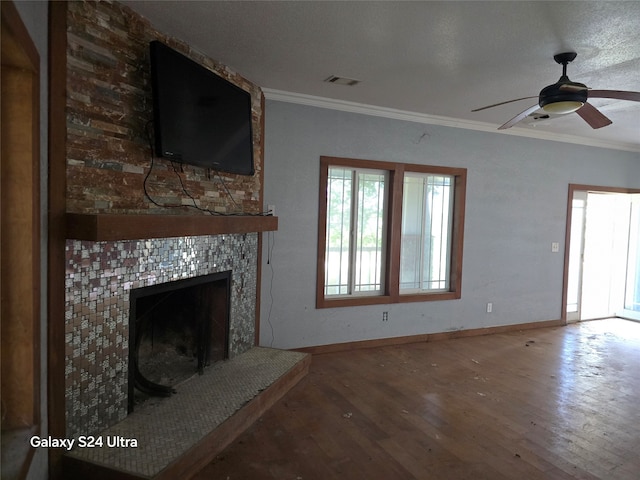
(554, 94)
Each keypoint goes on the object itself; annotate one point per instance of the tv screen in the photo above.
(199, 118)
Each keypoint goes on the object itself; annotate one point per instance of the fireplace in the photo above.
(176, 330)
(101, 281)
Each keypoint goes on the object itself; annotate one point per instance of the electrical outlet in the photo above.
(555, 247)
(385, 316)
(271, 210)
(489, 307)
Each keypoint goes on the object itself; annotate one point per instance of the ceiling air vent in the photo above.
(350, 82)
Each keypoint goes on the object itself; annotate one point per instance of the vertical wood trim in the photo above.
(16, 266)
(36, 238)
(261, 204)
(57, 228)
(565, 267)
(459, 209)
(322, 231)
(394, 233)
(21, 225)
(21, 145)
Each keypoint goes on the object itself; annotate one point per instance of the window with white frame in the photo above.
(389, 232)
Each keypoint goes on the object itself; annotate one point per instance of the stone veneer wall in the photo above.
(98, 280)
(109, 109)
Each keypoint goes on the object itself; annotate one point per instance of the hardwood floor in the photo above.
(553, 403)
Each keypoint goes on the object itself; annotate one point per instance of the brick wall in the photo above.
(109, 107)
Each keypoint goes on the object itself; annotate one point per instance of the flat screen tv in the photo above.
(199, 118)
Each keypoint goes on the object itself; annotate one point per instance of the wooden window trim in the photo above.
(394, 224)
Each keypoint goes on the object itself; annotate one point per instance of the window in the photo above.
(426, 230)
(389, 232)
(356, 217)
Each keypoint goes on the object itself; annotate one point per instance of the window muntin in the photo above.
(355, 233)
(425, 249)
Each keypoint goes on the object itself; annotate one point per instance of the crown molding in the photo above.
(395, 114)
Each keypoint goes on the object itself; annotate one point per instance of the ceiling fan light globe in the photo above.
(562, 107)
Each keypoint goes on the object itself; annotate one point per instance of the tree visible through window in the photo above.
(389, 232)
(355, 231)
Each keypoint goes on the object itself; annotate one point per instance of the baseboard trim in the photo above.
(427, 337)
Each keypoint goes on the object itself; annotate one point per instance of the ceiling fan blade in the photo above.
(519, 117)
(617, 94)
(502, 103)
(593, 116)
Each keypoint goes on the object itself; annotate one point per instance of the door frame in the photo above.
(576, 316)
(573, 187)
(20, 232)
(625, 313)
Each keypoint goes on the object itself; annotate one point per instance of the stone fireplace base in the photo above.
(176, 437)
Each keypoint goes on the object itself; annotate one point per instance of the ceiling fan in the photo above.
(566, 96)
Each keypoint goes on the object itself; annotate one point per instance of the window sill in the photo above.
(324, 302)
(428, 297)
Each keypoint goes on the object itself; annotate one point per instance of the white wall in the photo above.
(34, 15)
(516, 206)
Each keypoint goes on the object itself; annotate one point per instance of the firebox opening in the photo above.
(176, 330)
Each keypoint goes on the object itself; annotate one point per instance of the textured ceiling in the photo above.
(439, 59)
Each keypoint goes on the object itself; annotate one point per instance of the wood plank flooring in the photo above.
(553, 403)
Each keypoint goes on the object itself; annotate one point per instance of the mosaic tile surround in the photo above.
(99, 277)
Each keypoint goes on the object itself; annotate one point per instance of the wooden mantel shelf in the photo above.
(107, 227)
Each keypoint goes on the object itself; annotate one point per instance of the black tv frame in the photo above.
(199, 117)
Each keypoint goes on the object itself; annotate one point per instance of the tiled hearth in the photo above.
(99, 277)
(175, 437)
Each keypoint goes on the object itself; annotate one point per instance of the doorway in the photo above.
(602, 261)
